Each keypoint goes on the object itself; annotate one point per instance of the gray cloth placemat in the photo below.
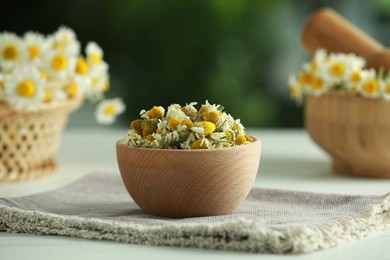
(273, 221)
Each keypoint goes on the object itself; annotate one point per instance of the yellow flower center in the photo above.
(316, 83)
(59, 46)
(203, 109)
(150, 138)
(44, 75)
(305, 78)
(10, 52)
(208, 127)
(337, 69)
(199, 144)
(72, 90)
(356, 77)
(48, 95)
(26, 89)
(213, 116)
(136, 125)
(96, 58)
(109, 110)
(82, 66)
(371, 87)
(240, 140)
(34, 51)
(148, 127)
(173, 122)
(155, 112)
(188, 123)
(387, 88)
(229, 135)
(59, 62)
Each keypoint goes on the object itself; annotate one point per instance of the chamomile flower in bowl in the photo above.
(185, 161)
(347, 113)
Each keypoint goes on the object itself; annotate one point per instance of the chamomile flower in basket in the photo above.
(186, 161)
(346, 111)
(42, 79)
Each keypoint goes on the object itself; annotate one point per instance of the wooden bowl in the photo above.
(355, 131)
(189, 183)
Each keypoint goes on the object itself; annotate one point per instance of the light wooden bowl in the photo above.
(189, 183)
(355, 131)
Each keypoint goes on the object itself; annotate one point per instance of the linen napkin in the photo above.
(268, 221)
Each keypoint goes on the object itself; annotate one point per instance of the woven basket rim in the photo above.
(71, 104)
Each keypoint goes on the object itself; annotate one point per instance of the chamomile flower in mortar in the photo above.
(11, 51)
(108, 110)
(37, 46)
(24, 88)
(337, 68)
(371, 87)
(295, 88)
(386, 89)
(356, 79)
(337, 72)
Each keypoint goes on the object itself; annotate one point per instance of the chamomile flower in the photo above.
(355, 79)
(371, 87)
(65, 41)
(175, 111)
(108, 110)
(156, 112)
(337, 68)
(95, 58)
(24, 88)
(295, 88)
(75, 86)
(36, 46)
(59, 64)
(11, 50)
(386, 89)
(190, 110)
(100, 83)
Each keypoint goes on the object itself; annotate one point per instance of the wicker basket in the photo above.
(29, 139)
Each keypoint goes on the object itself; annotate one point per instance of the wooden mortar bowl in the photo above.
(189, 183)
(355, 131)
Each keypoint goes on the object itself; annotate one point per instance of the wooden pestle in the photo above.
(328, 30)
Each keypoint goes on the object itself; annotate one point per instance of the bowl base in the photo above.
(372, 171)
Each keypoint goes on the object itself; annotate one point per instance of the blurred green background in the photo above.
(232, 52)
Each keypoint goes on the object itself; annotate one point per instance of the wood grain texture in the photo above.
(328, 30)
(189, 183)
(355, 131)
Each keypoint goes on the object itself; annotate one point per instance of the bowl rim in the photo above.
(255, 141)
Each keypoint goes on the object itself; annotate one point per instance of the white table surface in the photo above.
(290, 160)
